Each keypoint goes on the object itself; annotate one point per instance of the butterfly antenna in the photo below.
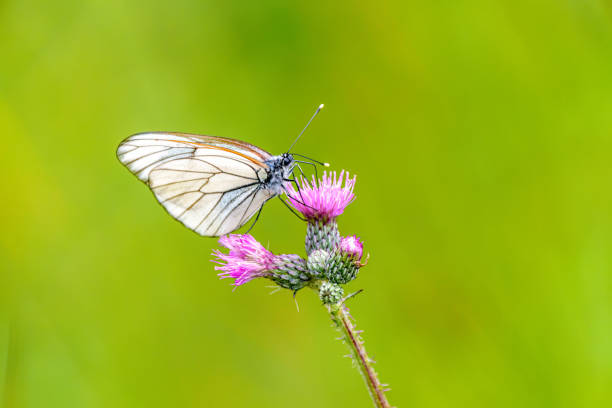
(306, 127)
(308, 158)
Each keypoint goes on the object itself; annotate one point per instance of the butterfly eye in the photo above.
(287, 159)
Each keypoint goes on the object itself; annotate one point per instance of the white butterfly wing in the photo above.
(212, 185)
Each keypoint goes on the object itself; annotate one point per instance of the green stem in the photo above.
(340, 317)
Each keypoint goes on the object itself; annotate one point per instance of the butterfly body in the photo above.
(279, 170)
(213, 185)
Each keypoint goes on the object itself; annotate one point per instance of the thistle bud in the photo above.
(352, 247)
(341, 268)
(330, 293)
(317, 262)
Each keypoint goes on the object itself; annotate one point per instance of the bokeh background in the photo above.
(480, 132)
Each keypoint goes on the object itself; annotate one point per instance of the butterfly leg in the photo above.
(291, 209)
(302, 171)
(307, 162)
(299, 191)
(297, 185)
(256, 218)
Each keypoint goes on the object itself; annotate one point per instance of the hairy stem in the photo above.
(342, 320)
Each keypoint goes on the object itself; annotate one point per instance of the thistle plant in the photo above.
(332, 261)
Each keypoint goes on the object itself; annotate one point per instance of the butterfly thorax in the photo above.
(279, 170)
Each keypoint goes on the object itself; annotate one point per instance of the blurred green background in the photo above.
(480, 132)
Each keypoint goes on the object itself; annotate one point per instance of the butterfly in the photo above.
(213, 185)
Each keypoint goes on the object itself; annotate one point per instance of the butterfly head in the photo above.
(287, 160)
(287, 163)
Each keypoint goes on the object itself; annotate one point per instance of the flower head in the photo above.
(352, 246)
(325, 199)
(246, 260)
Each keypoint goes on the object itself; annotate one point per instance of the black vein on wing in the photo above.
(184, 171)
(226, 205)
(163, 161)
(248, 206)
(192, 205)
(178, 145)
(234, 208)
(126, 145)
(230, 158)
(203, 158)
(146, 155)
(185, 181)
(179, 194)
(243, 220)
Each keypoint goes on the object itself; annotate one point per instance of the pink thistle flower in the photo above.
(352, 246)
(325, 199)
(246, 260)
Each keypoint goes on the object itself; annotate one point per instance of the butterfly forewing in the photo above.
(212, 185)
